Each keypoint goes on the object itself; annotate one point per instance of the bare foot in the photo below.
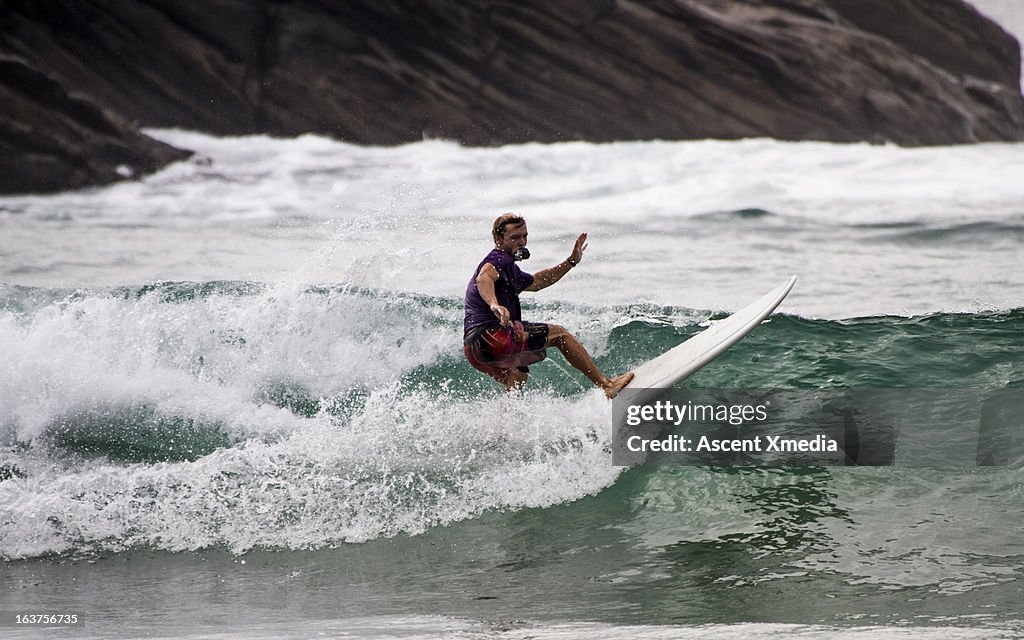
(615, 385)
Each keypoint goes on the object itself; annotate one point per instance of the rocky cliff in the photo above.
(52, 140)
(484, 72)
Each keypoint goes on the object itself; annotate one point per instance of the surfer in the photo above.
(496, 341)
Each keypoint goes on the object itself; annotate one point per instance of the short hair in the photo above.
(498, 230)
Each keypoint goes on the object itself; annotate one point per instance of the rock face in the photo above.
(926, 28)
(51, 140)
(488, 72)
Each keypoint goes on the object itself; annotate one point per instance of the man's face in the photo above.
(514, 238)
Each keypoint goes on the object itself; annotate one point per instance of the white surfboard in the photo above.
(682, 361)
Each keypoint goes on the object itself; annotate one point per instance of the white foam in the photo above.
(416, 218)
(405, 463)
(390, 459)
(421, 187)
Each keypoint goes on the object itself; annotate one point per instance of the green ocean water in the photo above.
(233, 401)
(420, 500)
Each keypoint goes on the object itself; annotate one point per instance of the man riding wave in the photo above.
(496, 341)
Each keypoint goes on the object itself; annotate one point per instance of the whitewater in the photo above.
(854, 220)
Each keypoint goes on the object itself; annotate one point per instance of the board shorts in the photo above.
(495, 350)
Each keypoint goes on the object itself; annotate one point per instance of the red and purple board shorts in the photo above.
(497, 350)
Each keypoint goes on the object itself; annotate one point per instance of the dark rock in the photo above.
(950, 34)
(487, 72)
(159, 63)
(52, 140)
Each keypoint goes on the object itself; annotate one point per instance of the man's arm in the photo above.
(547, 277)
(485, 285)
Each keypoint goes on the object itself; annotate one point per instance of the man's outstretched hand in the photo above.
(578, 249)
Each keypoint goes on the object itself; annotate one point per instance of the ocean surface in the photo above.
(233, 400)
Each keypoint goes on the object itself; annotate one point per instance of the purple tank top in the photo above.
(511, 281)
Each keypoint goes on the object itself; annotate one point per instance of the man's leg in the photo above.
(576, 354)
(510, 376)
